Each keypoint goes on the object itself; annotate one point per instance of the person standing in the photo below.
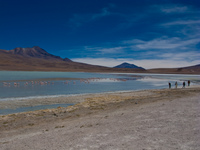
(169, 85)
(184, 84)
(176, 85)
(188, 82)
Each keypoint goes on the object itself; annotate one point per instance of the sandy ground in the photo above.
(142, 120)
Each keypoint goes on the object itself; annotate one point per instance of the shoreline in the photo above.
(15, 103)
(60, 99)
(130, 120)
(82, 100)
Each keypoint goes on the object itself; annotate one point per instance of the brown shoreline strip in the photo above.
(92, 103)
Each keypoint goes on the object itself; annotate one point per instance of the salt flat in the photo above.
(150, 119)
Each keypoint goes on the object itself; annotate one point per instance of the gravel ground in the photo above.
(143, 120)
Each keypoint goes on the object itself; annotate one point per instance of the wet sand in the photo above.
(149, 119)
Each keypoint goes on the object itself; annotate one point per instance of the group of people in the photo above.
(176, 84)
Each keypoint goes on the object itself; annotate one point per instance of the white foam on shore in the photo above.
(38, 97)
(69, 95)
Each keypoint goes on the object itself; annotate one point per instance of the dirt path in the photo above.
(154, 119)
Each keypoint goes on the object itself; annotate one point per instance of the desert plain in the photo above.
(140, 120)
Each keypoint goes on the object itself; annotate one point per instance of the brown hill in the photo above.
(35, 52)
(37, 59)
(183, 70)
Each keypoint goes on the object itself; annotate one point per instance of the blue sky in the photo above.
(147, 33)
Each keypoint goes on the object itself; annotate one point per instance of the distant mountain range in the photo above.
(37, 59)
(127, 65)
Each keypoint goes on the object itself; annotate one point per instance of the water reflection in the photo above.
(38, 84)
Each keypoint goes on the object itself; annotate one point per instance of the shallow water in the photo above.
(16, 85)
(27, 84)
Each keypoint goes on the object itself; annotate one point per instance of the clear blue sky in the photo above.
(148, 33)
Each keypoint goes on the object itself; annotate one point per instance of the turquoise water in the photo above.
(27, 84)
(31, 75)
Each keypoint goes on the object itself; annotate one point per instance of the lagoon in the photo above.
(29, 84)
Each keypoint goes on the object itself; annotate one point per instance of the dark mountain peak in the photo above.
(35, 51)
(67, 60)
(127, 65)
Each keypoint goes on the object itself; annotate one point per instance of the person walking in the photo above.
(176, 85)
